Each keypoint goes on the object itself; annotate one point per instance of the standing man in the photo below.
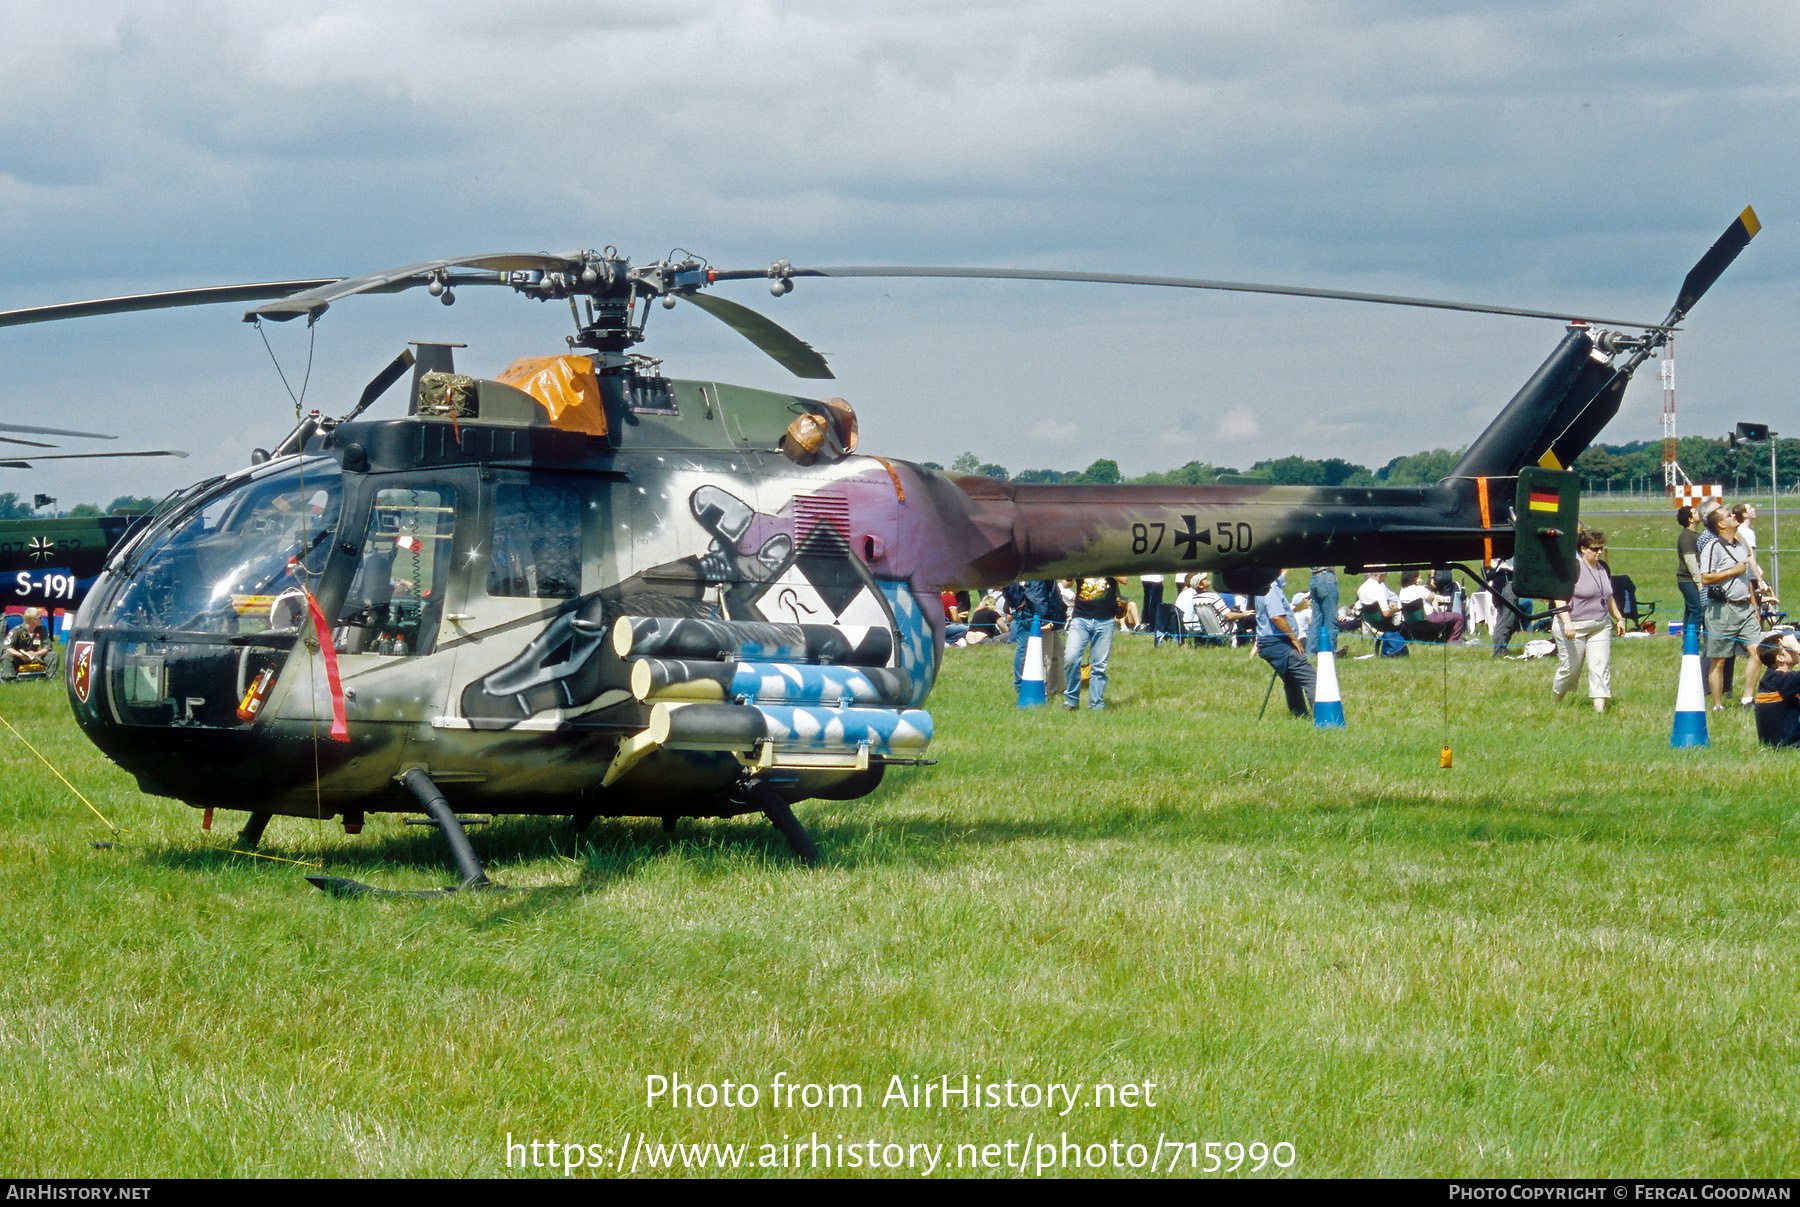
(1760, 595)
(1278, 644)
(1500, 583)
(1030, 603)
(1153, 593)
(1090, 629)
(1745, 512)
(1732, 627)
(1324, 592)
(1687, 569)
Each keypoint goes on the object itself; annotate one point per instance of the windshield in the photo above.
(233, 563)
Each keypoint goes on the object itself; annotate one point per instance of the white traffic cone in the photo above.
(1690, 696)
(1328, 703)
(1031, 680)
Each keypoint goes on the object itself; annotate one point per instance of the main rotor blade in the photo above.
(1116, 278)
(1717, 259)
(792, 352)
(313, 299)
(51, 431)
(207, 296)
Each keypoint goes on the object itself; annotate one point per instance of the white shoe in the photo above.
(1748, 700)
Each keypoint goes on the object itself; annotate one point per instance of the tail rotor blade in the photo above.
(1717, 259)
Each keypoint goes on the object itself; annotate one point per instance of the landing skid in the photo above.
(775, 807)
(449, 825)
(763, 798)
(762, 795)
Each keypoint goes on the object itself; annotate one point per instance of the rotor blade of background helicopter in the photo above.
(30, 443)
(314, 299)
(157, 452)
(1115, 278)
(792, 352)
(207, 296)
(52, 431)
(1717, 259)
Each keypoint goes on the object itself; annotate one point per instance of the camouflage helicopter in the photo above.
(590, 589)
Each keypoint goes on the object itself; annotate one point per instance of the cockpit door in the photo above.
(397, 620)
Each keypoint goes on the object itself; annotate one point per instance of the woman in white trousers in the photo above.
(1584, 633)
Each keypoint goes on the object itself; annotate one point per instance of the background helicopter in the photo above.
(585, 587)
(51, 563)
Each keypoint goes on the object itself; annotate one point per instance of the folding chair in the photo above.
(1637, 613)
(1415, 627)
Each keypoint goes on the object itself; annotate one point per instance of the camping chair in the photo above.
(1415, 627)
(1374, 623)
(1637, 613)
(43, 666)
(1210, 630)
(1167, 624)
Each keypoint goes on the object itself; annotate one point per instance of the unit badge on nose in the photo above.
(81, 669)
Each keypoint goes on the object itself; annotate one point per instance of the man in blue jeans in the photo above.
(1324, 611)
(1090, 631)
(1029, 603)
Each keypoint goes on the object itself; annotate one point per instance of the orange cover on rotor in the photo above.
(565, 386)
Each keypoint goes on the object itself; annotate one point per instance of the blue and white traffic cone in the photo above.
(1031, 680)
(1328, 703)
(1690, 696)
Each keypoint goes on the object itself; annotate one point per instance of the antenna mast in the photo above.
(1673, 474)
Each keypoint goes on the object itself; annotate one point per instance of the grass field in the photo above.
(1573, 953)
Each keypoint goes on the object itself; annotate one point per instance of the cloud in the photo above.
(1239, 426)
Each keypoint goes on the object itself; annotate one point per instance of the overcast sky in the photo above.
(1574, 156)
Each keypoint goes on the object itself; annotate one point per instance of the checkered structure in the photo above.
(1694, 496)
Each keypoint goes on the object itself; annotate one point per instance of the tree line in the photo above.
(12, 507)
(1416, 470)
(1602, 467)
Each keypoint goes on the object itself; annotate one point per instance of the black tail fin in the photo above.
(1558, 412)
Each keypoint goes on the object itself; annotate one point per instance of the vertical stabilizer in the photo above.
(1548, 405)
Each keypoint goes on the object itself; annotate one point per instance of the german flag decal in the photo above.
(1545, 500)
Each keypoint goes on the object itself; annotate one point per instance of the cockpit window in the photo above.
(537, 539)
(236, 563)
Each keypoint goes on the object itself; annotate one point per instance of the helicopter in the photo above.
(586, 588)
(51, 563)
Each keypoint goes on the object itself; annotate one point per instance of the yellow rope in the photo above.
(59, 775)
(278, 859)
(115, 829)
